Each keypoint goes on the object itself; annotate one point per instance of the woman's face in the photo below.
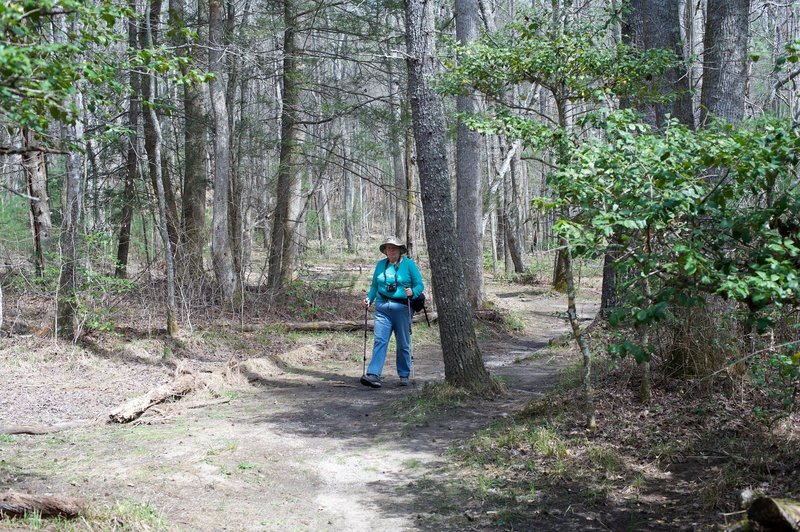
(392, 251)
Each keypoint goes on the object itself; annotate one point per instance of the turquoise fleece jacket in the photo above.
(405, 274)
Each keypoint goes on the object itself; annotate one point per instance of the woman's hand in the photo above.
(365, 303)
(409, 292)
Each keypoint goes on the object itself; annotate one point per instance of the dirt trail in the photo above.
(310, 449)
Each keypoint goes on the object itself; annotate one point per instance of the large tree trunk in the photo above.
(236, 208)
(150, 135)
(36, 172)
(222, 254)
(131, 160)
(284, 225)
(725, 60)
(468, 171)
(169, 259)
(195, 136)
(67, 325)
(462, 358)
(656, 24)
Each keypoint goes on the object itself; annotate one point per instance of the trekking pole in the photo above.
(410, 334)
(366, 313)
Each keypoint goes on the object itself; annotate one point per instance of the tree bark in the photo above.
(195, 137)
(412, 178)
(658, 26)
(169, 258)
(285, 222)
(349, 206)
(396, 128)
(131, 160)
(725, 60)
(150, 136)
(462, 358)
(36, 172)
(469, 206)
(67, 325)
(580, 339)
(608, 292)
(222, 254)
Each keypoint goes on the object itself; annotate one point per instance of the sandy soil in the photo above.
(306, 448)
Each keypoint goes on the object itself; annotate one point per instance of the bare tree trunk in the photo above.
(237, 193)
(469, 208)
(36, 172)
(195, 135)
(659, 27)
(149, 134)
(131, 159)
(412, 178)
(349, 206)
(325, 215)
(397, 137)
(725, 60)
(222, 254)
(462, 358)
(583, 345)
(169, 261)
(281, 258)
(67, 325)
(608, 292)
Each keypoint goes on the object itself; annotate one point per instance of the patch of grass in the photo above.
(605, 459)
(128, 515)
(664, 451)
(124, 515)
(7, 438)
(726, 481)
(244, 466)
(503, 444)
(216, 451)
(432, 400)
(412, 463)
(513, 323)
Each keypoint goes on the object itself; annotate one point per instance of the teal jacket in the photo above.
(405, 274)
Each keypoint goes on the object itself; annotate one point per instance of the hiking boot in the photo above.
(373, 381)
(403, 381)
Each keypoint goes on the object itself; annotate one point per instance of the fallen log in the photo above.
(326, 325)
(37, 429)
(14, 504)
(137, 406)
(485, 315)
(775, 514)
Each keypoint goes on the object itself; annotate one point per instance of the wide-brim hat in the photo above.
(395, 242)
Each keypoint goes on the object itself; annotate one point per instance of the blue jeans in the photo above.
(391, 316)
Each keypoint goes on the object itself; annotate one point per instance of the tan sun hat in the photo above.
(395, 242)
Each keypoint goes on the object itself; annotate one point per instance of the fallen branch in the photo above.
(37, 429)
(14, 504)
(208, 403)
(134, 408)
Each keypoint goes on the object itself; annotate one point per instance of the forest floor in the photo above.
(301, 445)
